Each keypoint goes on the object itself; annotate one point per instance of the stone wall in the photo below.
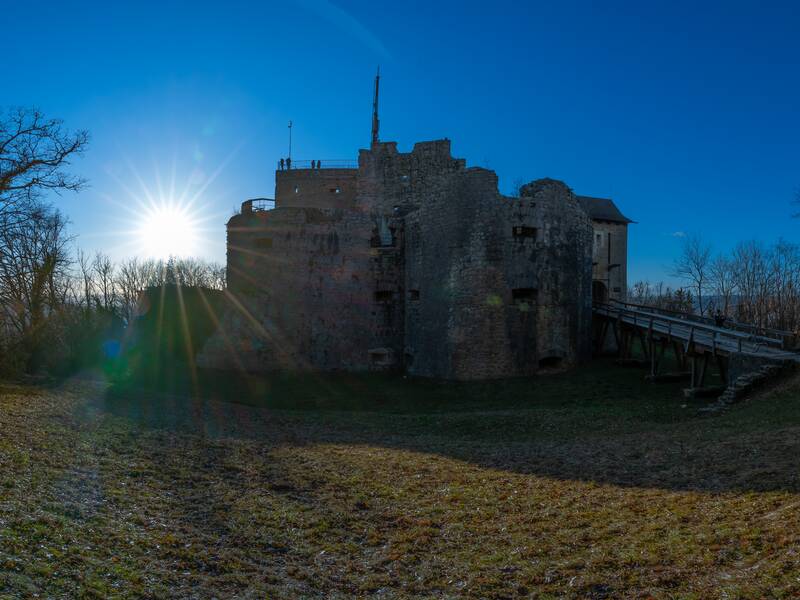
(312, 289)
(391, 182)
(309, 277)
(610, 247)
(428, 269)
(499, 284)
(315, 188)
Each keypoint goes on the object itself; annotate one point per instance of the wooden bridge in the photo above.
(695, 341)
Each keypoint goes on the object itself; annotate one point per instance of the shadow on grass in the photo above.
(600, 423)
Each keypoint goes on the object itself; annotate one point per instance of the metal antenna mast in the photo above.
(375, 122)
(290, 140)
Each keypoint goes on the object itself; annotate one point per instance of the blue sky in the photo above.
(687, 116)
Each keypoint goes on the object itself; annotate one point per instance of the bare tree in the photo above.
(723, 281)
(661, 296)
(134, 276)
(217, 276)
(103, 271)
(753, 278)
(194, 272)
(693, 266)
(86, 282)
(34, 265)
(33, 153)
(784, 259)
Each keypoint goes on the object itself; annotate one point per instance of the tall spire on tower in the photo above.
(375, 122)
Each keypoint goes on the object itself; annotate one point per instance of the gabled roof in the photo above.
(602, 209)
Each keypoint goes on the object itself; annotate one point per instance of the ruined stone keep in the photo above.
(415, 262)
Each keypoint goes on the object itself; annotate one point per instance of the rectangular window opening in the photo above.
(384, 296)
(522, 231)
(523, 295)
(264, 243)
(379, 358)
(413, 295)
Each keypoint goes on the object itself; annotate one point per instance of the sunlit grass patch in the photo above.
(592, 484)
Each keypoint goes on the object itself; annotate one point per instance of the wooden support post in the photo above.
(626, 342)
(602, 339)
(703, 368)
(722, 365)
(680, 355)
(653, 365)
(643, 342)
(662, 350)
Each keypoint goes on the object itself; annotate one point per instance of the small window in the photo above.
(384, 296)
(616, 289)
(335, 190)
(379, 358)
(521, 231)
(264, 243)
(523, 295)
(550, 362)
(413, 295)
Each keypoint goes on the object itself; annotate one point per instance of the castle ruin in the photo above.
(415, 262)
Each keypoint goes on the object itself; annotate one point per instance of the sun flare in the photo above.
(168, 230)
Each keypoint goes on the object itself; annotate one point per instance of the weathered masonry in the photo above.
(609, 249)
(413, 261)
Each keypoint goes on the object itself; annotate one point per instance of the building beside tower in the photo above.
(414, 262)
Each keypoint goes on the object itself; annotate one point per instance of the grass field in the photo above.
(590, 484)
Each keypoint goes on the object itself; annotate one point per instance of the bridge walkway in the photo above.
(695, 341)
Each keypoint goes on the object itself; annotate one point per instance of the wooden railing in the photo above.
(313, 164)
(789, 339)
(691, 332)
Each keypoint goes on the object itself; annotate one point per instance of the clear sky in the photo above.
(686, 113)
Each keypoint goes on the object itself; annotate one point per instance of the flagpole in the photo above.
(290, 140)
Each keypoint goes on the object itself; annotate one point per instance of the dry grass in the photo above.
(589, 486)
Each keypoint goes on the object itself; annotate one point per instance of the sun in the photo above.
(167, 230)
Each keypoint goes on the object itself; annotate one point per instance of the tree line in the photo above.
(754, 283)
(56, 301)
